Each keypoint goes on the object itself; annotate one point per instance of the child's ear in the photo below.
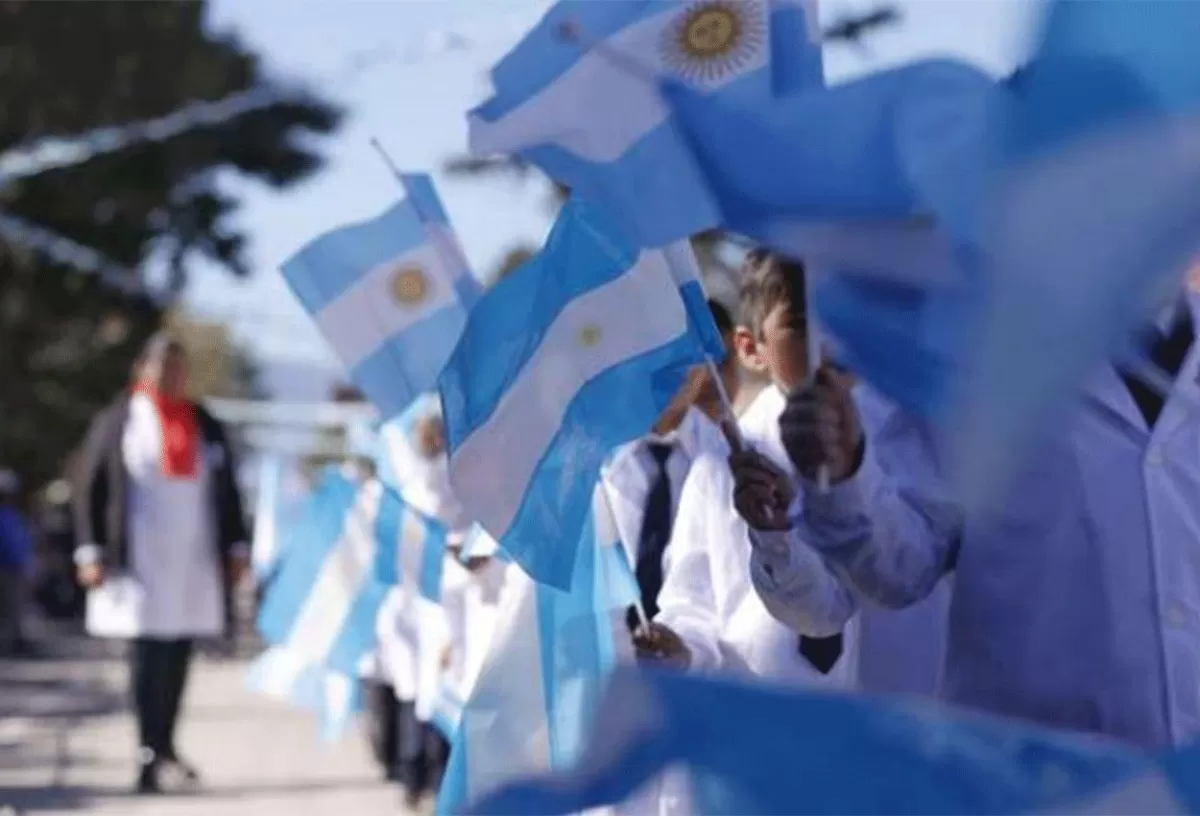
(747, 350)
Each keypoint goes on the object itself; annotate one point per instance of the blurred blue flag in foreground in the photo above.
(578, 97)
(756, 749)
(390, 295)
(541, 682)
(1095, 218)
(1065, 205)
(862, 180)
(571, 355)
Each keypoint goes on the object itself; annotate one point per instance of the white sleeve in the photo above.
(687, 602)
(797, 587)
(891, 529)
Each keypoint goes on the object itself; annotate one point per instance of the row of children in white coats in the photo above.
(430, 653)
(673, 499)
(1074, 603)
(1075, 607)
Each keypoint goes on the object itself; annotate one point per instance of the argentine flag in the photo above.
(573, 354)
(390, 295)
(412, 547)
(323, 602)
(579, 98)
(545, 670)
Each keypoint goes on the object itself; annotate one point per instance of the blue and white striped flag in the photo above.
(323, 603)
(412, 547)
(390, 295)
(579, 98)
(541, 681)
(574, 353)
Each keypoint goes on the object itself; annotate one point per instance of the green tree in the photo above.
(67, 339)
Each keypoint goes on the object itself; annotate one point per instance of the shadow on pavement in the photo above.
(79, 797)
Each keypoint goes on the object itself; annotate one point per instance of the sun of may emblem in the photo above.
(409, 286)
(589, 335)
(712, 39)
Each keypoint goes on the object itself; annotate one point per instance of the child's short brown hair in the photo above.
(767, 280)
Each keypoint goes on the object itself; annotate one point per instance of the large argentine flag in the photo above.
(323, 602)
(578, 97)
(573, 354)
(541, 682)
(390, 295)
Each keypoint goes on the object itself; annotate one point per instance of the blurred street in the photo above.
(67, 744)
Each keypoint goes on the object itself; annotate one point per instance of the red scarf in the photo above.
(180, 433)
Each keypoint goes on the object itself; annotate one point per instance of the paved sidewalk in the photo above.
(66, 746)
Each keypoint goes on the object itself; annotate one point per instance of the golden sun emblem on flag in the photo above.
(410, 286)
(590, 335)
(712, 39)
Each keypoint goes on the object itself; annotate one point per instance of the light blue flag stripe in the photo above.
(388, 529)
(389, 294)
(584, 107)
(550, 376)
(577, 647)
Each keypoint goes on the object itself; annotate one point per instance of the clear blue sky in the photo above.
(430, 63)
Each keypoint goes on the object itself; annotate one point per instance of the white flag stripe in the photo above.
(628, 102)
(412, 548)
(535, 405)
(505, 733)
(368, 313)
(341, 576)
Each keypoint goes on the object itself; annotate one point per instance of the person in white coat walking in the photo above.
(158, 513)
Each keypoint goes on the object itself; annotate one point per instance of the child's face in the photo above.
(781, 352)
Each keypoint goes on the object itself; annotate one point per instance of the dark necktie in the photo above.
(656, 529)
(822, 653)
(1167, 351)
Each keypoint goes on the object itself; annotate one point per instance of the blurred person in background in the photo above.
(58, 593)
(157, 509)
(16, 563)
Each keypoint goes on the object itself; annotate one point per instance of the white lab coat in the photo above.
(708, 597)
(173, 554)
